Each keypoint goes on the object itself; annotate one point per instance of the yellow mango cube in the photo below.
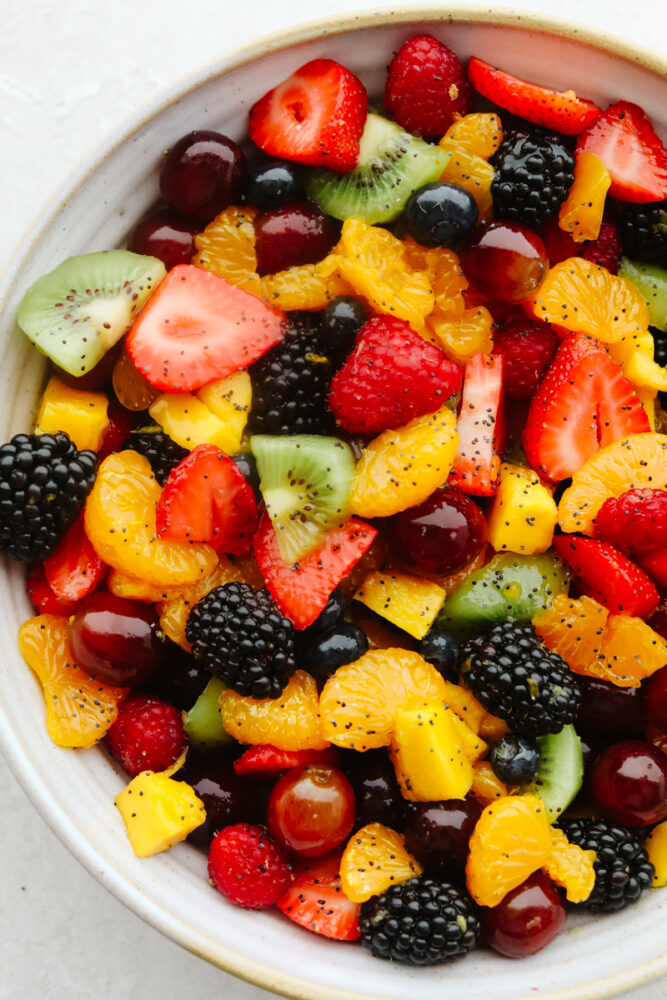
(188, 421)
(82, 415)
(656, 848)
(158, 812)
(523, 515)
(409, 602)
(429, 759)
(229, 399)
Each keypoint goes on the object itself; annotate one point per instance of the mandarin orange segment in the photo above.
(511, 840)
(290, 722)
(120, 523)
(303, 287)
(227, 247)
(472, 173)
(574, 629)
(134, 589)
(375, 858)
(632, 650)
(581, 213)
(464, 335)
(444, 272)
(359, 702)
(174, 609)
(486, 786)
(480, 133)
(585, 298)
(570, 867)
(79, 708)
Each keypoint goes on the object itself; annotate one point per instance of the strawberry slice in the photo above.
(480, 427)
(654, 565)
(74, 569)
(206, 498)
(632, 152)
(44, 599)
(197, 328)
(315, 116)
(302, 590)
(608, 576)
(316, 900)
(583, 403)
(559, 110)
(266, 761)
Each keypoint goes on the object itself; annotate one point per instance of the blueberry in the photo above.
(341, 320)
(326, 651)
(441, 649)
(332, 613)
(440, 214)
(515, 759)
(247, 466)
(273, 184)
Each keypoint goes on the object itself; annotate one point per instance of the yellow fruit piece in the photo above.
(82, 415)
(158, 812)
(227, 247)
(302, 287)
(492, 728)
(230, 400)
(190, 422)
(174, 609)
(635, 462)
(486, 787)
(410, 602)
(472, 173)
(134, 589)
(473, 746)
(359, 702)
(401, 468)
(511, 840)
(375, 858)
(290, 722)
(647, 397)
(570, 867)
(586, 298)
(444, 272)
(463, 702)
(644, 373)
(79, 708)
(429, 759)
(120, 523)
(464, 335)
(655, 846)
(480, 133)
(580, 215)
(523, 514)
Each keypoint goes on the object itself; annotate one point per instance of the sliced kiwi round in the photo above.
(392, 164)
(77, 312)
(306, 481)
(561, 771)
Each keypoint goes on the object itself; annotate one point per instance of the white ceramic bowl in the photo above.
(74, 790)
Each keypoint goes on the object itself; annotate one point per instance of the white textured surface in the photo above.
(69, 72)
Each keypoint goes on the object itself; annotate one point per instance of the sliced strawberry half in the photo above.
(480, 427)
(197, 328)
(654, 565)
(44, 599)
(302, 590)
(559, 110)
(266, 761)
(74, 569)
(315, 116)
(631, 150)
(206, 498)
(316, 900)
(608, 576)
(583, 403)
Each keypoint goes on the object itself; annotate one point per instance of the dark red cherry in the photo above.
(629, 783)
(203, 173)
(116, 640)
(311, 810)
(438, 833)
(527, 919)
(440, 535)
(292, 235)
(166, 236)
(180, 679)
(658, 621)
(656, 699)
(376, 790)
(609, 711)
(227, 798)
(505, 260)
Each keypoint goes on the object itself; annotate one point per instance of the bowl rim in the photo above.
(37, 790)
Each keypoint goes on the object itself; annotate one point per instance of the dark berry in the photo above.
(643, 230)
(166, 236)
(202, 174)
(161, 451)
(441, 649)
(295, 234)
(330, 615)
(629, 783)
(438, 834)
(527, 919)
(323, 653)
(376, 790)
(534, 171)
(440, 214)
(246, 463)
(341, 321)
(622, 868)
(515, 759)
(505, 260)
(117, 640)
(440, 535)
(609, 711)
(273, 184)
(180, 679)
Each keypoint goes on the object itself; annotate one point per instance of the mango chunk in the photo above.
(656, 848)
(229, 399)
(82, 415)
(429, 758)
(158, 812)
(189, 422)
(523, 515)
(409, 602)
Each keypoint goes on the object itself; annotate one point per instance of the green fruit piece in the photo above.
(77, 312)
(306, 481)
(651, 281)
(561, 771)
(392, 164)
(203, 723)
(509, 588)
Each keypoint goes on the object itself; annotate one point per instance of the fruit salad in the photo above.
(344, 512)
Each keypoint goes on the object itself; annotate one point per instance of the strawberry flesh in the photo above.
(608, 576)
(480, 427)
(266, 761)
(44, 599)
(74, 569)
(316, 900)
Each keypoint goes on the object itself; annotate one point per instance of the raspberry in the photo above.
(527, 347)
(391, 377)
(426, 87)
(147, 735)
(605, 250)
(247, 866)
(534, 172)
(635, 522)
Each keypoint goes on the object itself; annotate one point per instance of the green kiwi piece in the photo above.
(392, 164)
(203, 723)
(306, 481)
(561, 771)
(77, 312)
(651, 281)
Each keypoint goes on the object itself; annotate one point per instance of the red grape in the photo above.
(116, 639)
(505, 260)
(527, 919)
(203, 173)
(440, 535)
(166, 236)
(292, 235)
(311, 810)
(629, 783)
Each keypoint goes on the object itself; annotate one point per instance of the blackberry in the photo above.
(534, 171)
(44, 482)
(643, 230)
(162, 453)
(240, 635)
(422, 921)
(622, 868)
(517, 678)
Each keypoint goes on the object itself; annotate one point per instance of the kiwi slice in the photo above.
(651, 281)
(77, 312)
(561, 771)
(306, 481)
(392, 164)
(203, 723)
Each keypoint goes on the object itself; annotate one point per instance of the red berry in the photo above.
(166, 236)
(247, 866)
(559, 244)
(426, 87)
(440, 535)
(292, 235)
(316, 900)
(505, 260)
(527, 347)
(605, 574)
(74, 568)
(606, 250)
(266, 761)
(147, 735)
(44, 599)
(203, 174)
(311, 810)
(121, 422)
(635, 522)
(629, 783)
(527, 919)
